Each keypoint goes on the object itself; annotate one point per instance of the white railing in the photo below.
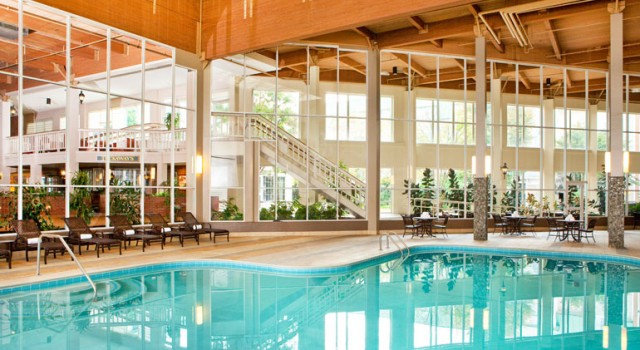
(400, 244)
(350, 187)
(53, 141)
(97, 140)
(73, 257)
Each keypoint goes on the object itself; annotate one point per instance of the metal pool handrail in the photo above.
(73, 256)
(404, 249)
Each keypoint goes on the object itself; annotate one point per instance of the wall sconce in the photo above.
(504, 169)
(13, 111)
(48, 100)
(153, 173)
(487, 165)
(63, 173)
(81, 97)
(605, 336)
(198, 164)
(199, 315)
(625, 162)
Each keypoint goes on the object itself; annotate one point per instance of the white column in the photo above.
(373, 140)
(594, 167)
(616, 101)
(497, 142)
(481, 104)
(35, 172)
(77, 112)
(5, 133)
(548, 148)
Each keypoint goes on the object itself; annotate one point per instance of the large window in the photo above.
(350, 111)
(524, 126)
(445, 122)
(632, 132)
(571, 130)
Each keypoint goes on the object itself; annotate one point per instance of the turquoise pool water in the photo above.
(460, 299)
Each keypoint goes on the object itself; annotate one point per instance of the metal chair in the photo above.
(499, 223)
(440, 226)
(587, 232)
(529, 224)
(410, 226)
(28, 235)
(556, 229)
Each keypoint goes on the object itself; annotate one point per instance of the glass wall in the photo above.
(289, 134)
(95, 121)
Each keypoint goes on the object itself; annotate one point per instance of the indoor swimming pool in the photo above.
(458, 298)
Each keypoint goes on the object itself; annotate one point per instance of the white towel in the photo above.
(197, 227)
(33, 240)
(570, 218)
(166, 229)
(425, 215)
(129, 232)
(86, 236)
(515, 213)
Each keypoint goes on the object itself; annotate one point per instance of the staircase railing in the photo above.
(349, 187)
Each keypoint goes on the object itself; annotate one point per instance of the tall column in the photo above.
(373, 140)
(35, 172)
(480, 284)
(5, 133)
(480, 181)
(593, 167)
(616, 103)
(549, 146)
(497, 142)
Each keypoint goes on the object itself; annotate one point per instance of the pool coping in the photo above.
(298, 271)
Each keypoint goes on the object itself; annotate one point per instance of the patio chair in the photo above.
(636, 219)
(160, 226)
(123, 231)
(28, 235)
(529, 224)
(499, 223)
(410, 226)
(192, 224)
(587, 232)
(6, 254)
(81, 235)
(440, 226)
(556, 229)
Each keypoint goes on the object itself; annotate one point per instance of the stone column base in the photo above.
(615, 212)
(480, 209)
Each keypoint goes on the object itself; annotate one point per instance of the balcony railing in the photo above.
(97, 140)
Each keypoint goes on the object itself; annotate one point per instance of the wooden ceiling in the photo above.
(558, 34)
(45, 49)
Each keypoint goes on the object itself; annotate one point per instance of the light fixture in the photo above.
(485, 319)
(487, 165)
(48, 100)
(81, 97)
(605, 337)
(505, 169)
(199, 315)
(625, 162)
(548, 82)
(503, 289)
(13, 111)
(198, 164)
(63, 173)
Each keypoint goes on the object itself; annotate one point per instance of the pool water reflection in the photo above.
(435, 300)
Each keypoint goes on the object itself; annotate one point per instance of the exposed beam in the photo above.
(524, 80)
(437, 30)
(355, 65)
(367, 34)
(415, 66)
(553, 39)
(474, 10)
(437, 43)
(417, 22)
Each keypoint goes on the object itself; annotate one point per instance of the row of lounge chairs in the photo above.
(123, 234)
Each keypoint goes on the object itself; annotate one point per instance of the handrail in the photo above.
(73, 256)
(394, 238)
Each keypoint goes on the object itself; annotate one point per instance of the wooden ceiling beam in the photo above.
(367, 34)
(415, 66)
(353, 64)
(523, 79)
(553, 40)
(437, 30)
(419, 24)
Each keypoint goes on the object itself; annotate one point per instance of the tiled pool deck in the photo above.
(290, 252)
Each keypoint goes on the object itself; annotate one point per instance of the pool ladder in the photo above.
(73, 256)
(400, 244)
